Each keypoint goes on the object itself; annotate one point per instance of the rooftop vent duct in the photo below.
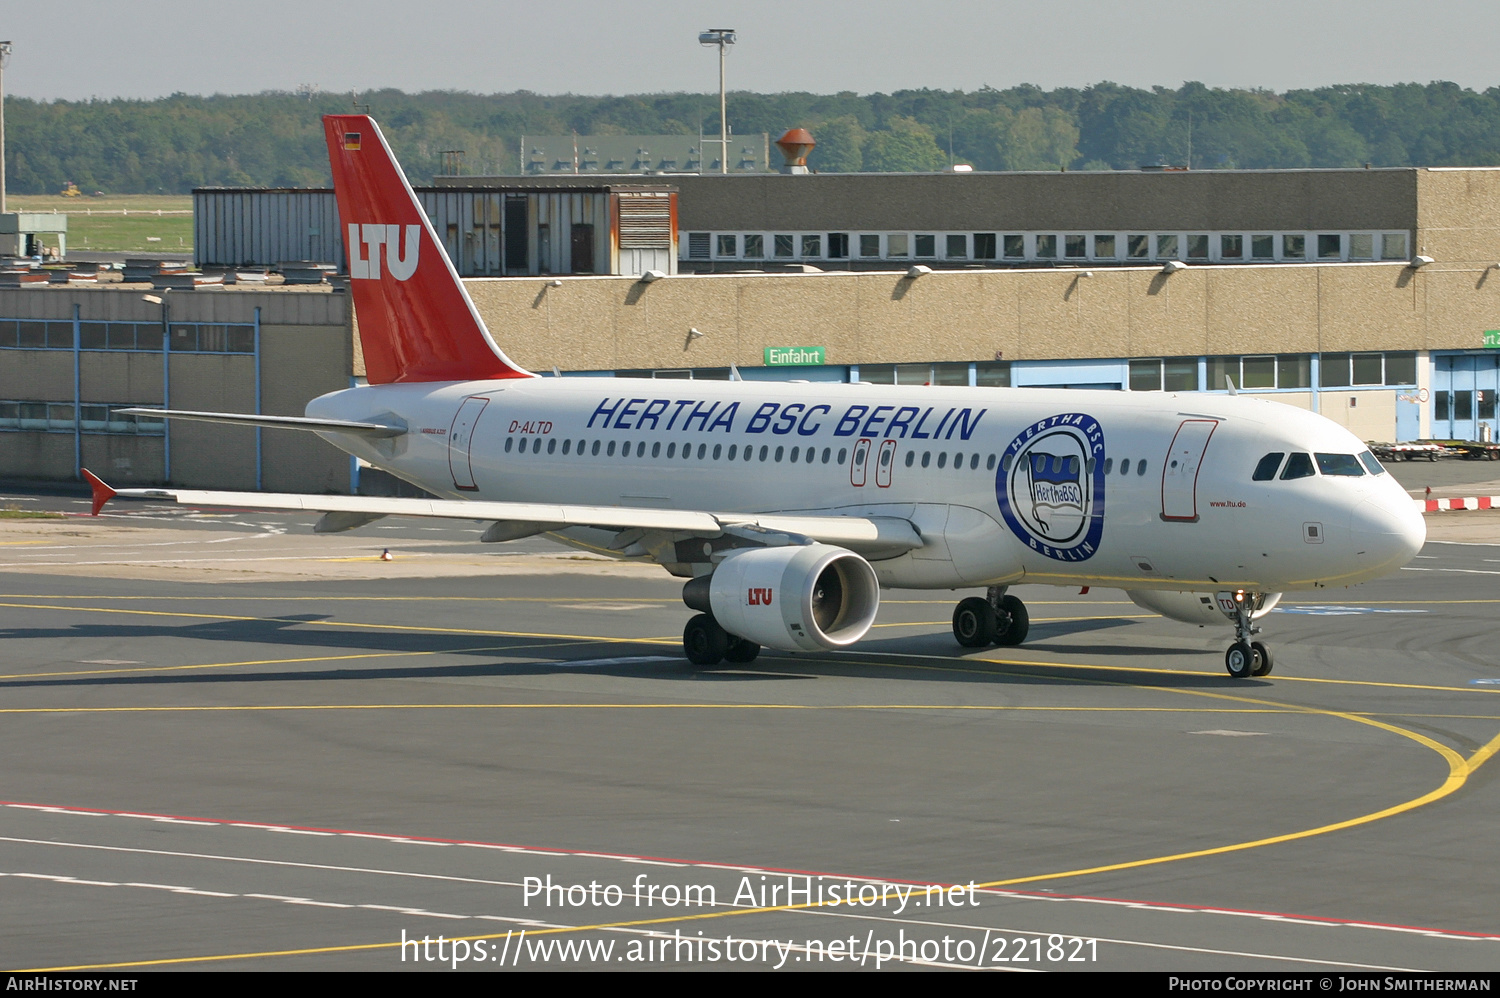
(795, 145)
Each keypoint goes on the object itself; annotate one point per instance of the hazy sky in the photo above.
(148, 48)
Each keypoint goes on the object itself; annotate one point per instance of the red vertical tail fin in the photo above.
(416, 322)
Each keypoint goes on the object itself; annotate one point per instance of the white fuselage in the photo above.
(1063, 487)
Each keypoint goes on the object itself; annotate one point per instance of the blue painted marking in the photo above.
(1484, 682)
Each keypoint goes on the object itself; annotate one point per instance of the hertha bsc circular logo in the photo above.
(1050, 486)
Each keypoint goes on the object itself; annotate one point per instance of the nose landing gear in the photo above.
(994, 619)
(1246, 658)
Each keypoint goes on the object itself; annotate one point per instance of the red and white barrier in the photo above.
(1468, 502)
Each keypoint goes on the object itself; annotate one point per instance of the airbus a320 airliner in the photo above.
(788, 507)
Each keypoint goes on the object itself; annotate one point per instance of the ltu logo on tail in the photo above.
(400, 255)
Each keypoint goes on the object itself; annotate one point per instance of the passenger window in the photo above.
(732, 449)
(552, 446)
(671, 450)
(1265, 471)
(926, 458)
(702, 450)
(655, 449)
(567, 446)
(793, 456)
(717, 449)
(1371, 464)
(596, 448)
(1297, 466)
(826, 452)
(942, 459)
(1109, 465)
(764, 450)
(812, 452)
(973, 462)
(778, 454)
(509, 443)
(1141, 467)
(1125, 466)
(843, 453)
(1343, 465)
(625, 451)
(536, 446)
(990, 464)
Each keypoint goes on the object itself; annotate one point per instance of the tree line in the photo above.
(176, 143)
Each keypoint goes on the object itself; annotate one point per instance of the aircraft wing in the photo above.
(875, 536)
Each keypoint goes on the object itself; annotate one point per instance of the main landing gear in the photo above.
(707, 644)
(993, 619)
(1246, 658)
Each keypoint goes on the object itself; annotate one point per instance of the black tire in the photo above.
(741, 650)
(1263, 661)
(1240, 660)
(704, 641)
(1014, 622)
(974, 622)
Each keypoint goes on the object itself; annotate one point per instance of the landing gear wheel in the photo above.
(975, 623)
(1014, 621)
(1240, 660)
(1263, 661)
(741, 650)
(704, 641)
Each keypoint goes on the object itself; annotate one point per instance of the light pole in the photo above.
(722, 37)
(4, 58)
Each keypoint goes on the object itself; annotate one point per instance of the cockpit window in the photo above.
(1371, 465)
(1266, 469)
(1340, 464)
(1298, 466)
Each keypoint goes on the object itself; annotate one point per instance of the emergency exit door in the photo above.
(1179, 475)
(461, 441)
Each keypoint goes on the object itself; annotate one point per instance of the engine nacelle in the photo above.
(1200, 608)
(799, 598)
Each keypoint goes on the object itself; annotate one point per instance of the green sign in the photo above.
(1491, 338)
(807, 356)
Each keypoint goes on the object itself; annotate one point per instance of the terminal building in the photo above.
(1369, 296)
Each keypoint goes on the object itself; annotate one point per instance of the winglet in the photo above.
(102, 493)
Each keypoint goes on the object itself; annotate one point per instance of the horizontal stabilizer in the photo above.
(276, 422)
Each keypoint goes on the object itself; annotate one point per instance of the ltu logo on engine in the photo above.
(400, 255)
(758, 597)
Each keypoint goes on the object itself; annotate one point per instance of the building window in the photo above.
(957, 246)
(1197, 247)
(1257, 372)
(1231, 247)
(869, 245)
(1333, 370)
(927, 246)
(1076, 247)
(1138, 247)
(1166, 247)
(984, 246)
(1401, 368)
(1263, 247)
(1046, 247)
(950, 374)
(1294, 371)
(812, 246)
(895, 244)
(1393, 246)
(755, 247)
(1361, 246)
(1294, 247)
(785, 246)
(1104, 247)
(1180, 375)
(1330, 246)
(1368, 369)
(1145, 375)
(992, 374)
(1015, 247)
(728, 246)
(838, 245)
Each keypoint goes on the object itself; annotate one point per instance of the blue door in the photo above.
(1463, 395)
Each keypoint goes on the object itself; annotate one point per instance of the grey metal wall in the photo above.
(255, 227)
(472, 228)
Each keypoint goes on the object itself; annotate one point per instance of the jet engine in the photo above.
(1201, 608)
(799, 598)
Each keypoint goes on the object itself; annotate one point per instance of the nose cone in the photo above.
(1388, 530)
